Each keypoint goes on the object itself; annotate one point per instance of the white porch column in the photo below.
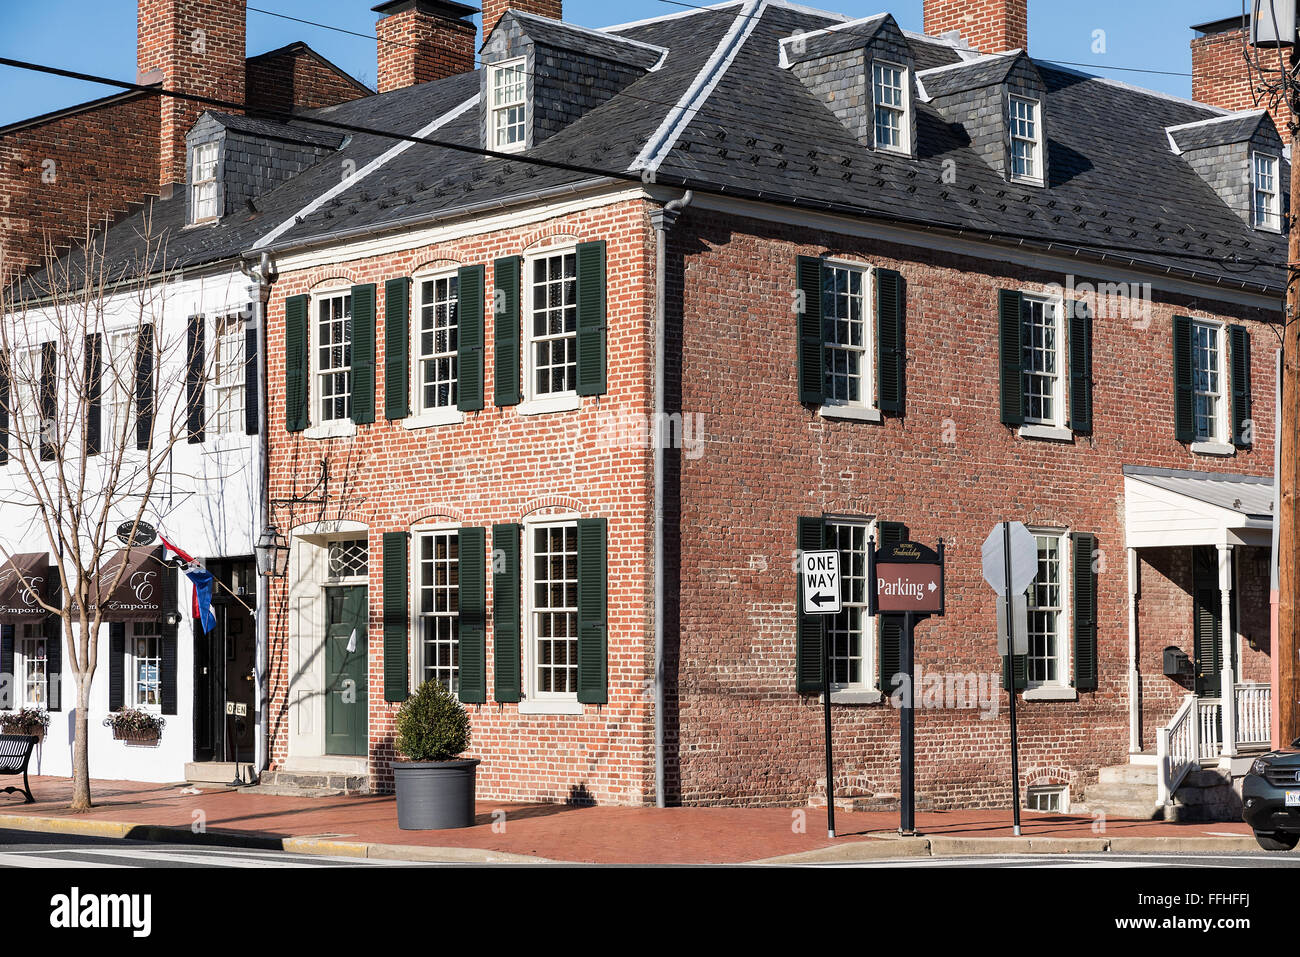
(1228, 687)
(1134, 699)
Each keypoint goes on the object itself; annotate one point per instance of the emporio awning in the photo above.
(139, 593)
(22, 578)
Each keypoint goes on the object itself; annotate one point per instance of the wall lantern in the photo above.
(272, 552)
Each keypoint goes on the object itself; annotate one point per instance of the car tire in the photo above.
(1277, 840)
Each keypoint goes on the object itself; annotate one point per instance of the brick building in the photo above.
(555, 396)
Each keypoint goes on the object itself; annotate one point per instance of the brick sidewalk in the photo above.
(557, 832)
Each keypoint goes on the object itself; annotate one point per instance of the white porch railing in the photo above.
(1195, 733)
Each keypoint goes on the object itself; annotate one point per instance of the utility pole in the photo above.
(1288, 617)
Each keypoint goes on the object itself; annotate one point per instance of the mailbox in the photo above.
(1177, 664)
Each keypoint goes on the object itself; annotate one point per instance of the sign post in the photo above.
(819, 573)
(1010, 556)
(906, 577)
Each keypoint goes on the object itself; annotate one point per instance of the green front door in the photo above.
(345, 669)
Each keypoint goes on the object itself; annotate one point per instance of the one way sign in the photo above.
(820, 573)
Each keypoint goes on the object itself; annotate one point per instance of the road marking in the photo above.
(30, 860)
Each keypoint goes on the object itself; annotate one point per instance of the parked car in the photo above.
(1270, 799)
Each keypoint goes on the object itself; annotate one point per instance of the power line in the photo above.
(681, 182)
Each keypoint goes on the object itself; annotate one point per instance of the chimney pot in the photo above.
(989, 26)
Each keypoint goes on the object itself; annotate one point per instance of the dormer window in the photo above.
(1268, 199)
(889, 86)
(509, 120)
(1026, 140)
(203, 183)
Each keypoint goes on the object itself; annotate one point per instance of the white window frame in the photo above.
(903, 109)
(363, 578)
(425, 415)
(315, 393)
(28, 637)
(535, 701)
(117, 387)
(132, 690)
(25, 374)
(1272, 219)
(865, 407)
(497, 110)
(418, 533)
(1059, 420)
(228, 381)
(204, 193)
(1064, 614)
(534, 402)
(844, 692)
(1221, 435)
(1059, 792)
(1035, 142)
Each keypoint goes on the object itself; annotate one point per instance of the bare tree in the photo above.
(94, 397)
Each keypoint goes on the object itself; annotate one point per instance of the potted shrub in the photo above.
(435, 788)
(133, 724)
(33, 721)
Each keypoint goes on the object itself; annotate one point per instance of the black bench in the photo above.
(15, 755)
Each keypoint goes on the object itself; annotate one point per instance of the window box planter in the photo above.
(132, 724)
(435, 787)
(32, 721)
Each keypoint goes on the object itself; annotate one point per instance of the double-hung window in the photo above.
(847, 330)
(889, 87)
(334, 356)
(117, 387)
(437, 568)
(31, 669)
(144, 660)
(435, 361)
(1026, 140)
(1209, 409)
(1047, 664)
(25, 393)
(1041, 364)
(1268, 197)
(509, 119)
(203, 183)
(850, 632)
(228, 379)
(552, 346)
(551, 644)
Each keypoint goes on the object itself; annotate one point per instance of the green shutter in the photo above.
(396, 611)
(397, 330)
(471, 551)
(593, 614)
(505, 611)
(812, 374)
(53, 660)
(591, 318)
(116, 665)
(1239, 344)
(808, 635)
(889, 340)
(1085, 612)
(1011, 358)
(1081, 368)
(1184, 420)
(296, 363)
(363, 354)
(1022, 673)
(146, 400)
(1207, 622)
(889, 644)
(469, 353)
(505, 331)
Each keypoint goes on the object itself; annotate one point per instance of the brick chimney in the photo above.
(493, 9)
(423, 40)
(989, 26)
(1220, 76)
(192, 45)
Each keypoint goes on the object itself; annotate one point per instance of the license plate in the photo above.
(1293, 798)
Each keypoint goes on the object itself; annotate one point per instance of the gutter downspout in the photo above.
(662, 220)
(263, 274)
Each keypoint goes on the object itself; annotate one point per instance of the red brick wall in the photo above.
(990, 26)
(498, 467)
(295, 80)
(57, 175)
(1221, 76)
(416, 47)
(493, 9)
(1164, 619)
(199, 47)
(745, 737)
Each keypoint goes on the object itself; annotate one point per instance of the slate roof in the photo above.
(1116, 190)
(960, 77)
(1250, 495)
(1220, 131)
(270, 129)
(608, 46)
(839, 38)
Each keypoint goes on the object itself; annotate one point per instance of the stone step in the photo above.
(286, 791)
(1130, 774)
(218, 772)
(1123, 793)
(1137, 810)
(312, 784)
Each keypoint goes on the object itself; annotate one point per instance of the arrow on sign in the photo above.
(820, 599)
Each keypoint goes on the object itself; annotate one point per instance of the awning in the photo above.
(139, 594)
(1173, 507)
(20, 576)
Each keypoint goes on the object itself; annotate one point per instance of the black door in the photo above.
(223, 668)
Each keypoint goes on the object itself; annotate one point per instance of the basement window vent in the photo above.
(1054, 799)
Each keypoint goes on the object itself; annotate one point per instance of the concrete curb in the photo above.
(1165, 845)
(872, 849)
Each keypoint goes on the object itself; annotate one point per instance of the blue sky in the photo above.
(98, 36)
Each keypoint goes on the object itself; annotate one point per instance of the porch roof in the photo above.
(1170, 507)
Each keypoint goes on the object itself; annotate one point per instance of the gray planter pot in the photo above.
(435, 795)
